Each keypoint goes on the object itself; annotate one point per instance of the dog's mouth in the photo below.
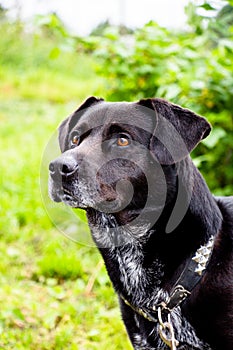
(70, 198)
(83, 201)
(67, 196)
(67, 192)
(102, 197)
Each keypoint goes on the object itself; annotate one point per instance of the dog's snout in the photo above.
(63, 166)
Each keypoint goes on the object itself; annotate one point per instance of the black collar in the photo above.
(188, 279)
(191, 274)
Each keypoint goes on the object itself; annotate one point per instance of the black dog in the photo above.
(166, 241)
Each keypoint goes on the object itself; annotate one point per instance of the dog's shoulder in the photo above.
(226, 202)
(226, 206)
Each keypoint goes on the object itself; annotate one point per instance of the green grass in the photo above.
(50, 84)
(55, 293)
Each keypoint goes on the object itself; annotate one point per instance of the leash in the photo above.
(188, 279)
(166, 331)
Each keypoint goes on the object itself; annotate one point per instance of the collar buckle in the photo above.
(178, 295)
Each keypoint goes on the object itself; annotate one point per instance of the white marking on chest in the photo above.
(132, 275)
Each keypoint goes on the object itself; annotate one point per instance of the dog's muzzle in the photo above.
(63, 170)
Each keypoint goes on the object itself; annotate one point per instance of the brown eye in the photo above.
(75, 140)
(123, 141)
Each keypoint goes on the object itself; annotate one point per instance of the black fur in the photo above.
(149, 209)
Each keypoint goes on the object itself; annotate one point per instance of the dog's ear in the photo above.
(177, 130)
(70, 122)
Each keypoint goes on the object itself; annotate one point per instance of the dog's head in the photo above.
(117, 156)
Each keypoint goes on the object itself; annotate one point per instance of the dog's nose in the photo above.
(63, 166)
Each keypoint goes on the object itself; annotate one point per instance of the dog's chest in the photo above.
(141, 284)
(131, 272)
(124, 255)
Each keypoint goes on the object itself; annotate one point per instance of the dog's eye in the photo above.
(75, 139)
(123, 140)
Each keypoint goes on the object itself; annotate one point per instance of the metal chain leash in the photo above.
(166, 331)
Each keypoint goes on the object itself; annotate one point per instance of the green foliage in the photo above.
(3, 12)
(101, 29)
(193, 68)
(51, 26)
(35, 66)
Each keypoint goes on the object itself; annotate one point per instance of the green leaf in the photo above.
(54, 53)
(207, 7)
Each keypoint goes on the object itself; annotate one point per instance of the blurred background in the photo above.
(54, 293)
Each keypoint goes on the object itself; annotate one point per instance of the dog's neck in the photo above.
(141, 253)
